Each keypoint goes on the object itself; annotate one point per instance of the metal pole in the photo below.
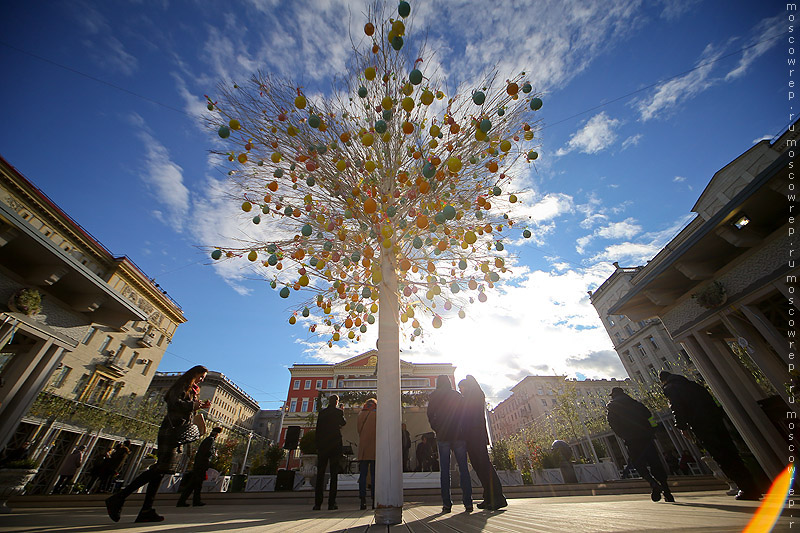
(246, 452)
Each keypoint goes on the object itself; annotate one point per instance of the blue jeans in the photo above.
(459, 448)
(363, 467)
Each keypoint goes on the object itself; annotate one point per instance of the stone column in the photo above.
(733, 389)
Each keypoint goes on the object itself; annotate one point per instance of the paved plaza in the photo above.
(692, 511)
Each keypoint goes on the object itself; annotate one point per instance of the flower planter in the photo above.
(510, 478)
(12, 483)
(547, 476)
(264, 483)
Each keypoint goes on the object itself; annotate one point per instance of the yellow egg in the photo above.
(408, 104)
(369, 73)
(276, 157)
(505, 146)
(470, 237)
(252, 256)
(303, 280)
(386, 103)
(341, 165)
(454, 164)
(370, 166)
(427, 97)
(367, 139)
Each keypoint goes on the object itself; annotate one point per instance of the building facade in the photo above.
(724, 289)
(112, 358)
(268, 424)
(644, 347)
(310, 384)
(536, 396)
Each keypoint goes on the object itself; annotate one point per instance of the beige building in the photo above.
(724, 289)
(111, 358)
(644, 347)
(536, 396)
(231, 407)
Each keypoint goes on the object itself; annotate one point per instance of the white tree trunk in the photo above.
(389, 468)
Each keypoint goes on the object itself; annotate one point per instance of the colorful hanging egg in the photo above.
(485, 125)
(362, 92)
(478, 97)
(284, 292)
(403, 9)
(300, 102)
(526, 88)
(234, 124)
(415, 77)
(526, 234)
(380, 126)
(252, 256)
(369, 28)
(397, 42)
(306, 230)
(369, 73)
(224, 132)
(536, 104)
(314, 121)
(533, 155)
(246, 206)
(216, 254)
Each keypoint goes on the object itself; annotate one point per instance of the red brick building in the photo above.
(311, 383)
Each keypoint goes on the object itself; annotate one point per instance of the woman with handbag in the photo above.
(366, 426)
(176, 429)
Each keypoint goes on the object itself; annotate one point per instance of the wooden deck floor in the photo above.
(697, 511)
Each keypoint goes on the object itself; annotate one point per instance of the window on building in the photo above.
(555, 401)
(120, 350)
(115, 392)
(319, 384)
(618, 337)
(307, 385)
(314, 409)
(651, 370)
(105, 344)
(641, 350)
(60, 376)
(544, 402)
(296, 385)
(540, 391)
(653, 342)
(293, 405)
(304, 408)
(330, 384)
(146, 368)
(665, 363)
(80, 386)
(89, 334)
(642, 323)
(639, 376)
(611, 321)
(133, 359)
(161, 340)
(628, 329)
(627, 353)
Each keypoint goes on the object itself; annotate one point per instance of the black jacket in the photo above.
(446, 414)
(205, 452)
(329, 430)
(690, 402)
(475, 419)
(629, 419)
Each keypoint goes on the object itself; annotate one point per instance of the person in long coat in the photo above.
(695, 409)
(367, 427)
(329, 450)
(109, 469)
(202, 461)
(69, 468)
(182, 402)
(445, 415)
(630, 420)
(477, 439)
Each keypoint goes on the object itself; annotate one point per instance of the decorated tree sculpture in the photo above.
(385, 197)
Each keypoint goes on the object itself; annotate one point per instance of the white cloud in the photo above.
(620, 230)
(165, 178)
(763, 138)
(672, 94)
(679, 179)
(769, 27)
(638, 253)
(542, 323)
(104, 47)
(596, 135)
(633, 140)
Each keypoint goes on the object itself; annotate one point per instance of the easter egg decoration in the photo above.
(387, 102)
(429, 170)
(314, 121)
(380, 126)
(485, 125)
(427, 97)
(397, 42)
(415, 77)
(526, 233)
(369, 28)
(526, 88)
(216, 254)
(449, 212)
(256, 219)
(536, 104)
(404, 9)
(306, 230)
(224, 132)
(478, 97)
(454, 164)
(437, 321)
(532, 155)
(284, 292)
(407, 104)
(369, 73)
(246, 206)
(234, 124)
(362, 92)
(501, 112)
(300, 101)
(252, 256)
(370, 206)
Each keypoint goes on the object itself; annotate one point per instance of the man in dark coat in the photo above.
(694, 408)
(329, 450)
(406, 446)
(445, 415)
(424, 455)
(202, 460)
(111, 468)
(630, 420)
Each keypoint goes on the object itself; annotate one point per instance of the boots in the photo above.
(363, 503)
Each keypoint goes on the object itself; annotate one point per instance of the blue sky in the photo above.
(644, 101)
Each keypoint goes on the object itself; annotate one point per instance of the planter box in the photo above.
(12, 483)
(510, 478)
(218, 484)
(265, 483)
(547, 476)
(588, 474)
